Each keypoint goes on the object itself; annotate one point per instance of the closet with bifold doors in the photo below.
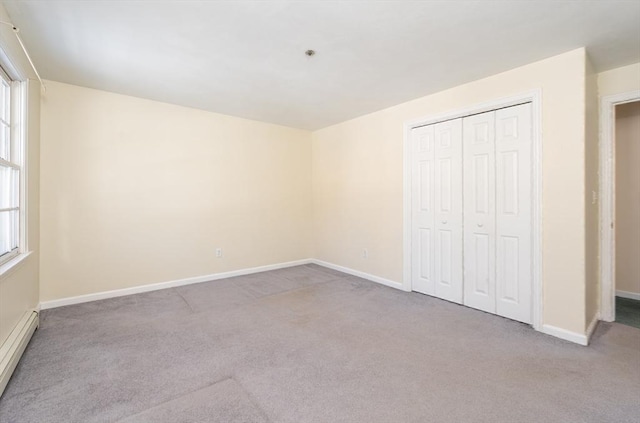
(471, 219)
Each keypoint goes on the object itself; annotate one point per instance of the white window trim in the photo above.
(13, 263)
(19, 108)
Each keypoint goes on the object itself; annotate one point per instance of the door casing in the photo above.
(607, 171)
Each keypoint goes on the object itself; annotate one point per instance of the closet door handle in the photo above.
(480, 225)
(444, 222)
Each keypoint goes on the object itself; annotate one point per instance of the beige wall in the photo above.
(591, 191)
(19, 286)
(123, 182)
(619, 80)
(137, 192)
(357, 180)
(627, 145)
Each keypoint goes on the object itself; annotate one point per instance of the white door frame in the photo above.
(608, 200)
(535, 98)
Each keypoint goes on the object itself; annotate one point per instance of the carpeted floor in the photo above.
(628, 312)
(307, 344)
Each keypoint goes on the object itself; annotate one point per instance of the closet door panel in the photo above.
(513, 212)
(448, 210)
(422, 186)
(479, 211)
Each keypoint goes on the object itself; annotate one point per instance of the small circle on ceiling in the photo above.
(310, 53)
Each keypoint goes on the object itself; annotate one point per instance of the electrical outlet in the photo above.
(219, 252)
(365, 253)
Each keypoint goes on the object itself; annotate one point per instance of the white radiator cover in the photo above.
(12, 349)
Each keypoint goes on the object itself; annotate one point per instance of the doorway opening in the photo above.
(620, 208)
(627, 213)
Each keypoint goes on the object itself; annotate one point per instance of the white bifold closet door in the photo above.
(479, 212)
(471, 211)
(497, 212)
(436, 232)
(513, 213)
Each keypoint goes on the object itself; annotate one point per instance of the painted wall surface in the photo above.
(358, 188)
(619, 80)
(117, 169)
(627, 145)
(592, 194)
(19, 286)
(137, 192)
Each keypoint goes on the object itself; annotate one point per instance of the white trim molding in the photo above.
(363, 275)
(7, 268)
(629, 295)
(535, 98)
(592, 327)
(608, 200)
(567, 335)
(582, 339)
(207, 278)
(13, 347)
(169, 284)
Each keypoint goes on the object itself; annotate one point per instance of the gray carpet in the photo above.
(224, 401)
(308, 344)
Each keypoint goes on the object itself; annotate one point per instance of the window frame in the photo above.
(17, 157)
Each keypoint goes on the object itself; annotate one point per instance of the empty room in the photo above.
(319, 211)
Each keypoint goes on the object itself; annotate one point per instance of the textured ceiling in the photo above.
(247, 58)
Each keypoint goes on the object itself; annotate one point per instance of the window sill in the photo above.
(8, 267)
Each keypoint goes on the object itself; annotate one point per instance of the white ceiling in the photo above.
(246, 58)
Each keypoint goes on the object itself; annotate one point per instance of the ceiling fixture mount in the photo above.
(310, 53)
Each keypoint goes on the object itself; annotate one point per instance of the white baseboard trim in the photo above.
(627, 294)
(359, 274)
(206, 278)
(13, 347)
(592, 326)
(567, 335)
(169, 284)
(578, 338)
(582, 339)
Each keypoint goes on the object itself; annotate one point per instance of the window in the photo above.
(11, 170)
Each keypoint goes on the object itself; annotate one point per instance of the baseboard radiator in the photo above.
(12, 349)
